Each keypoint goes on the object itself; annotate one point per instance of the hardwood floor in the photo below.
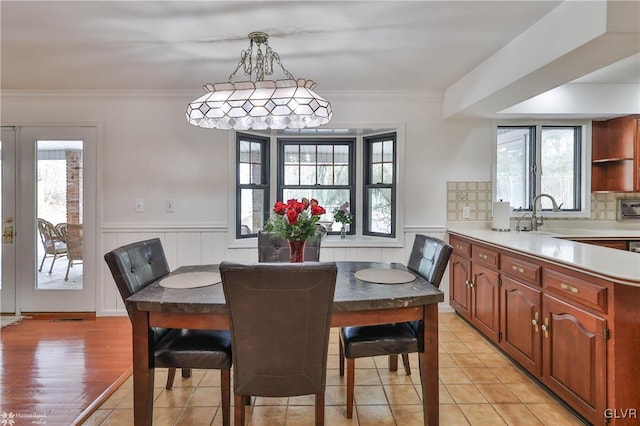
(56, 371)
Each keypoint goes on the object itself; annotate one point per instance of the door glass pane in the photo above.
(59, 189)
(512, 177)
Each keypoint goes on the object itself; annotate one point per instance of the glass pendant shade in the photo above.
(259, 104)
(281, 104)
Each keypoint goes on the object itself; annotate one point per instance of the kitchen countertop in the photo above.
(551, 244)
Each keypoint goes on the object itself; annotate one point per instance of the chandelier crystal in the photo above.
(259, 104)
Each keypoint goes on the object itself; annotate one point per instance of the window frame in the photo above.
(283, 141)
(265, 177)
(367, 142)
(582, 159)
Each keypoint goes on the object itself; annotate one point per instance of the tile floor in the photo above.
(478, 386)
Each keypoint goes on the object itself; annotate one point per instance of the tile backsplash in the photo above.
(476, 196)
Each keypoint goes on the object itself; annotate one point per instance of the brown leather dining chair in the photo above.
(272, 248)
(429, 258)
(280, 317)
(135, 266)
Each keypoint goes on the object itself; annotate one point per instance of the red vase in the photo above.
(296, 250)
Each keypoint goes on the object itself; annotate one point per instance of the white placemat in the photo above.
(191, 280)
(385, 276)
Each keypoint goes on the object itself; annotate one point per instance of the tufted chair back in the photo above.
(429, 257)
(274, 249)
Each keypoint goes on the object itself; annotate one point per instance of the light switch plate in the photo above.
(466, 212)
(169, 206)
(139, 205)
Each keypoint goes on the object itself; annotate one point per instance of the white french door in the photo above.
(55, 181)
(8, 209)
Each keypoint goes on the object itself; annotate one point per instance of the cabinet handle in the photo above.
(567, 287)
(459, 247)
(483, 256)
(534, 322)
(545, 327)
(518, 269)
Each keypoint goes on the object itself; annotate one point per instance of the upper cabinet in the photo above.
(616, 155)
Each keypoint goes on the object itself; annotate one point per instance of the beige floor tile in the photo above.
(481, 415)
(266, 416)
(445, 397)
(206, 397)
(117, 397)
(166, 416)
(466, 394)
(453, 375)
(448, 336)
(367, 362)
(335, 395)
(408, 415)
(467, 360)
(510, 375)
(517, 415)
(197, 416)
(529, 392)
(497, 392)
(211, 378)
(397, 377)
(369, 395)
(337, 416)
(401, 394)
(456, 348)
(554, 414)
(259, 400)
(120, 417)
(375, 415)
(494, 360)
(452, 415)
(301, 416)
(480, 375)
(176, 397)
(367, 376)
(308, 400)
(447, 360)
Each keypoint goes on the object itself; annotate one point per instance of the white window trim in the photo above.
(585, 167)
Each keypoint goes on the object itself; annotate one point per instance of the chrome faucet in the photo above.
(539, 221)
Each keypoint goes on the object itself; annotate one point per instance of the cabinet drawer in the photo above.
(573, 288)
(460, 246)
(485, 255)
(521, 270)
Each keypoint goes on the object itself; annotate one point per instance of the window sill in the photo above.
(331, 241)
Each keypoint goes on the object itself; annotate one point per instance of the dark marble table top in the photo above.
(351, 294)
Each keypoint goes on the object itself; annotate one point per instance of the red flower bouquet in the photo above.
(295, 220)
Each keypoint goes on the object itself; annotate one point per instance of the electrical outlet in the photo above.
(466, 212)
(169, 206)
(139, 205)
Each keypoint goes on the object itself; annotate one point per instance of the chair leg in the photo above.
(238, 410)
(171, 374)
(393, 362)
(66, 276)
(186, 373)
(247, 400)
(341, 349)
(405, 362)
(351, 371)
(320, 409)
(225, 386)
(42, 263)
(55, 256)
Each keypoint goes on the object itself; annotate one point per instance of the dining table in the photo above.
(356, 302)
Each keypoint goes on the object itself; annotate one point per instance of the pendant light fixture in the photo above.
(259, 104)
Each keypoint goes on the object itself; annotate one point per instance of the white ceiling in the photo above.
(425, 46)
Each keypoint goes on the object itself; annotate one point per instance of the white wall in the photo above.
(147, 150)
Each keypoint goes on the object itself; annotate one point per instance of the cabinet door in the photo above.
(485, 296)
(520, 319)
(574, 357)
(459, 290)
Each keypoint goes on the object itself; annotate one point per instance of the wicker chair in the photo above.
(52, 241)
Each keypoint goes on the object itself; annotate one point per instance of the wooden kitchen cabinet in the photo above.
(459, 289)
(575, 332)
(615, 155)
(520, 320)
(575, 357)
